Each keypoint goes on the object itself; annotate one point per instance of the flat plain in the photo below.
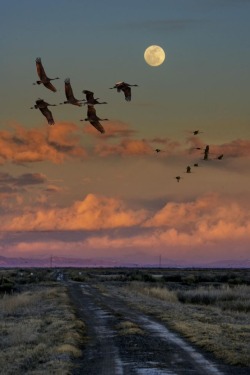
(125, 321)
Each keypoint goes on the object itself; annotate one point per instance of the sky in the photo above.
(68, 190)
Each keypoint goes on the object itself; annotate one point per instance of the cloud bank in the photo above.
(209, 227)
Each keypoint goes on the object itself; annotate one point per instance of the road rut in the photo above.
(153, 350)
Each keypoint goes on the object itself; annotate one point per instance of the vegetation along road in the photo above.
(123, 339)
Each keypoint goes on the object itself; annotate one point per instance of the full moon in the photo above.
(154, 55)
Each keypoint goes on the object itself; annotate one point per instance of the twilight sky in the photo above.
(69, 190)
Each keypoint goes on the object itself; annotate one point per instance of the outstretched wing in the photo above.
(47, 113)
(40, 70)
(50, 86)
(89, 95)
(127, 93)
(91, 112)
(68, 90)
(98, 126)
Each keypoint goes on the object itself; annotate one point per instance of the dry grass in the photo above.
(235, 298)
(39, 333)
(129, 328)
(156, 292)
(221, 326)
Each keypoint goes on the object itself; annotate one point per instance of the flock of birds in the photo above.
(205, 152)
(90, 101)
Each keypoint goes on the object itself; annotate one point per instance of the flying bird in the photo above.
(220, 157)
(206, 152)
(90, 100)
(188, 169)
(43, 106)
(178, 178)
(157, 150)
(94, 119)
(43, 76)
(195, 132)
(69, 94)
(125, 87)
(196, 165)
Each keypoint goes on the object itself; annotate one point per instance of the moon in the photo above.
(154, 55)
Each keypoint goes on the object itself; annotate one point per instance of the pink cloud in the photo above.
(113, 129)
(234, 149)
(124, 148)
(92, 213)
(54, 143)
(209, 227)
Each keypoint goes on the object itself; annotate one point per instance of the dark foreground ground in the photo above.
(123, 341)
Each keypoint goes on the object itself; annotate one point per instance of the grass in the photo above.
(39, 333)
(129, 328)
(217, 320)
(227, 298)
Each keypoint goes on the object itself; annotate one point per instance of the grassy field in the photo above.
(210, 307)
(217, 320)
(39, 332)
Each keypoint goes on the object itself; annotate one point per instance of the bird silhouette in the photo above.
(43, 106)
(196, 165)
(157, 150)
(195, 132)
(188, 170)
(220, 157)
(206, 152)
(94, 119)
(125, 87)
(90, 100)
(178, 178)
(43, 76)
(70, 95)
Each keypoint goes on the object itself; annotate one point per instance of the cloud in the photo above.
(209, 227)
(207, 219)
(124, 148)
(10, 183)
(113, 129)
(237, 148)
(53, 189)
(171, 147)
(53, 143)
(92, 213)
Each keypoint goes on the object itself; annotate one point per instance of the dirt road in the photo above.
(123, 341)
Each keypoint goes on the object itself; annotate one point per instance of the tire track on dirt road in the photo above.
(154, 351)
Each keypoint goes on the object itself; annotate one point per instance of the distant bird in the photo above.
(195, 132)
(43, 106)
(178, 178)
(94, 119)
(125, 87)
(69, 94)
(43, 76)
(188, 169)
(90, 100)
(206, 152)
(220, 157)
(196, 165)
(157, 150)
